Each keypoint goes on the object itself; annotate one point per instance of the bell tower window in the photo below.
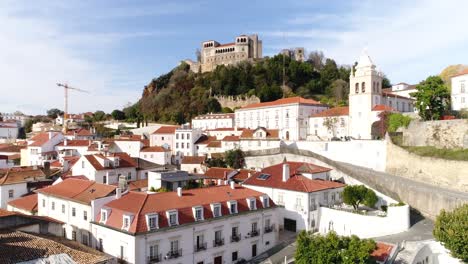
(357, 88)
(363, 87)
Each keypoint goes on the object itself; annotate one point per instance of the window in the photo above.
(254, 227)
(177, 136)
(74, 235)
(104, 179)
(123, 252)
(252, 204)
(162, 138)
(126, 222)
(199, 213)
(188, 136)
(182, 136)
(53, 205)
(73, 211)
(85, 215)
(103, 215)
(234, 256)
(43, 202)
(357, 88)
(218, 234)
(152, 221)
(175, 246)
(10, 193)
(462, 87)
(173, 218)
(233, 207)
(182, 145)
(34, 151)
(153, 251)
(63, 208)
(82, 164)
(177, 145)
(129, 176)
(216, 210)
(266, 201)
(462, 99)
(363, 87)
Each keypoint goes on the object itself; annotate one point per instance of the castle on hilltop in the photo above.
(212, 53)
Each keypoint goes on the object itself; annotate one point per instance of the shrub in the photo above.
(451, 229)
(397, 120)
(384, 208)
(356, 194)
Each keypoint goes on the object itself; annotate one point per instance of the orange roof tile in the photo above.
(231, 138)
(270, 133)
(218, 173)
(78, 190)
(166, 130)
(335, 111)
(154, 149)
(464, 72)
(20, 174)
(214, 144)
(193, 160)
(27, 203)
(296, 182)
(283, 101)
(383, 108)
(125, 161)
(204, 139)
(75, 143)
(139, 204)
(40, 139)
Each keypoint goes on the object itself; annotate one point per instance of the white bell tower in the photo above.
(365, 93)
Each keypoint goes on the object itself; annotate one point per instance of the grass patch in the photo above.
(430, 151)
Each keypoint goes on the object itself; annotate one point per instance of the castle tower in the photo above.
(365, 93)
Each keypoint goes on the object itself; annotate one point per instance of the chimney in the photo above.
(220, 182)
(179, 191)
(65, 142)
(226, 182)
(249, 175)
(286, 172)
(118, 193)
(231, 183)
(50, 134)
(225, 175)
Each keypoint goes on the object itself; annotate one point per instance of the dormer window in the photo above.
(216, 210)
(265, 201)
(252, 203)
(126, 222)
(152, 221)
(233, 207)
(173, 218)
(117, 162)
(104, 215)
(198, 213)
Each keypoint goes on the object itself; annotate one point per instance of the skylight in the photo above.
(263, 176)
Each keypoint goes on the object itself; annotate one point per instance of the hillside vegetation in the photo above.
(179, 95)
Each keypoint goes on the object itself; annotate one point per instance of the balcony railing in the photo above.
(174, 254)
(254, 233)
(154, 259)
(200, 247)
(218, 242)
(269, 229)
(236, 237)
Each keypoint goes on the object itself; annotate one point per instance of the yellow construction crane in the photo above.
(65, 111)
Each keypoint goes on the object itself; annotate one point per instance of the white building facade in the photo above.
(460, 91)
(289, 115)
(213, 121)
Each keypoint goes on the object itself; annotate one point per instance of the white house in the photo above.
(220, 133)
(330, 123)
(258, 139)
(8, 131)
(106, 169)
(156, 154)
(402, 89)
(26, 205)
(221, 224)
(184, 142)
(76, 147)
(301, 188)
(460, 91)
(75, 202)
(80, 134)
(289, 115)
(193, 164)
(213, 121)
(163, 136)
(18, 117)
(131, 145)
(202, 143)
(41, 148)
(14, 182)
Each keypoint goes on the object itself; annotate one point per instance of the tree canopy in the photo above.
(54, 113)
(331, 248)
(451, 229)
(99, 116)
(235, 158)
(359, 194)
(118, 115)
(432, 98)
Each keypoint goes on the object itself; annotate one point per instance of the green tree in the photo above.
(227, 110)
(216, 162)
(235, 158)
(99, 116)
(356, 194)
(118, 115)
(432, 98)
(451, 229)
(54, 113)
(397, 120)
(331, 248)
(267, 94)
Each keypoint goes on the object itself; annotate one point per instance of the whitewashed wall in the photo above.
(18, 190)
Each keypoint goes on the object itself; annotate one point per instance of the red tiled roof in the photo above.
(204, 139)
(139, 204)
(75, 143)
(464, 72)
(166, 130)
(243, 174)
(383, 108)
(284, 101)
(218, 173)
(83, 191)
(214, 144)
(215, 116)
(40, 139)
(4, 213)
(138, 184)
(296, 182)
(125, 161)
(382, 252)
(231, 138)
(154, 149)
(20, 174)
(335, 111)
(391, 94)
(270, 133)
(11, 148)
(27, 203)
(81, 177)
(79, 132)
(193, 160)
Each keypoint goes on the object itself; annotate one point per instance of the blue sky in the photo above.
(114, 48)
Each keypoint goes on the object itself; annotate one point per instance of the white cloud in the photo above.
(35, 55)
(409, 40)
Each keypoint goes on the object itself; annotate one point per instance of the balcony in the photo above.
(200, 247)
(254, 233)
(218, 242)
(154, 259)
(269, 229)
(236, 238)
(173, 254)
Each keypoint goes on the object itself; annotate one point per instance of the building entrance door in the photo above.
(218, 260)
